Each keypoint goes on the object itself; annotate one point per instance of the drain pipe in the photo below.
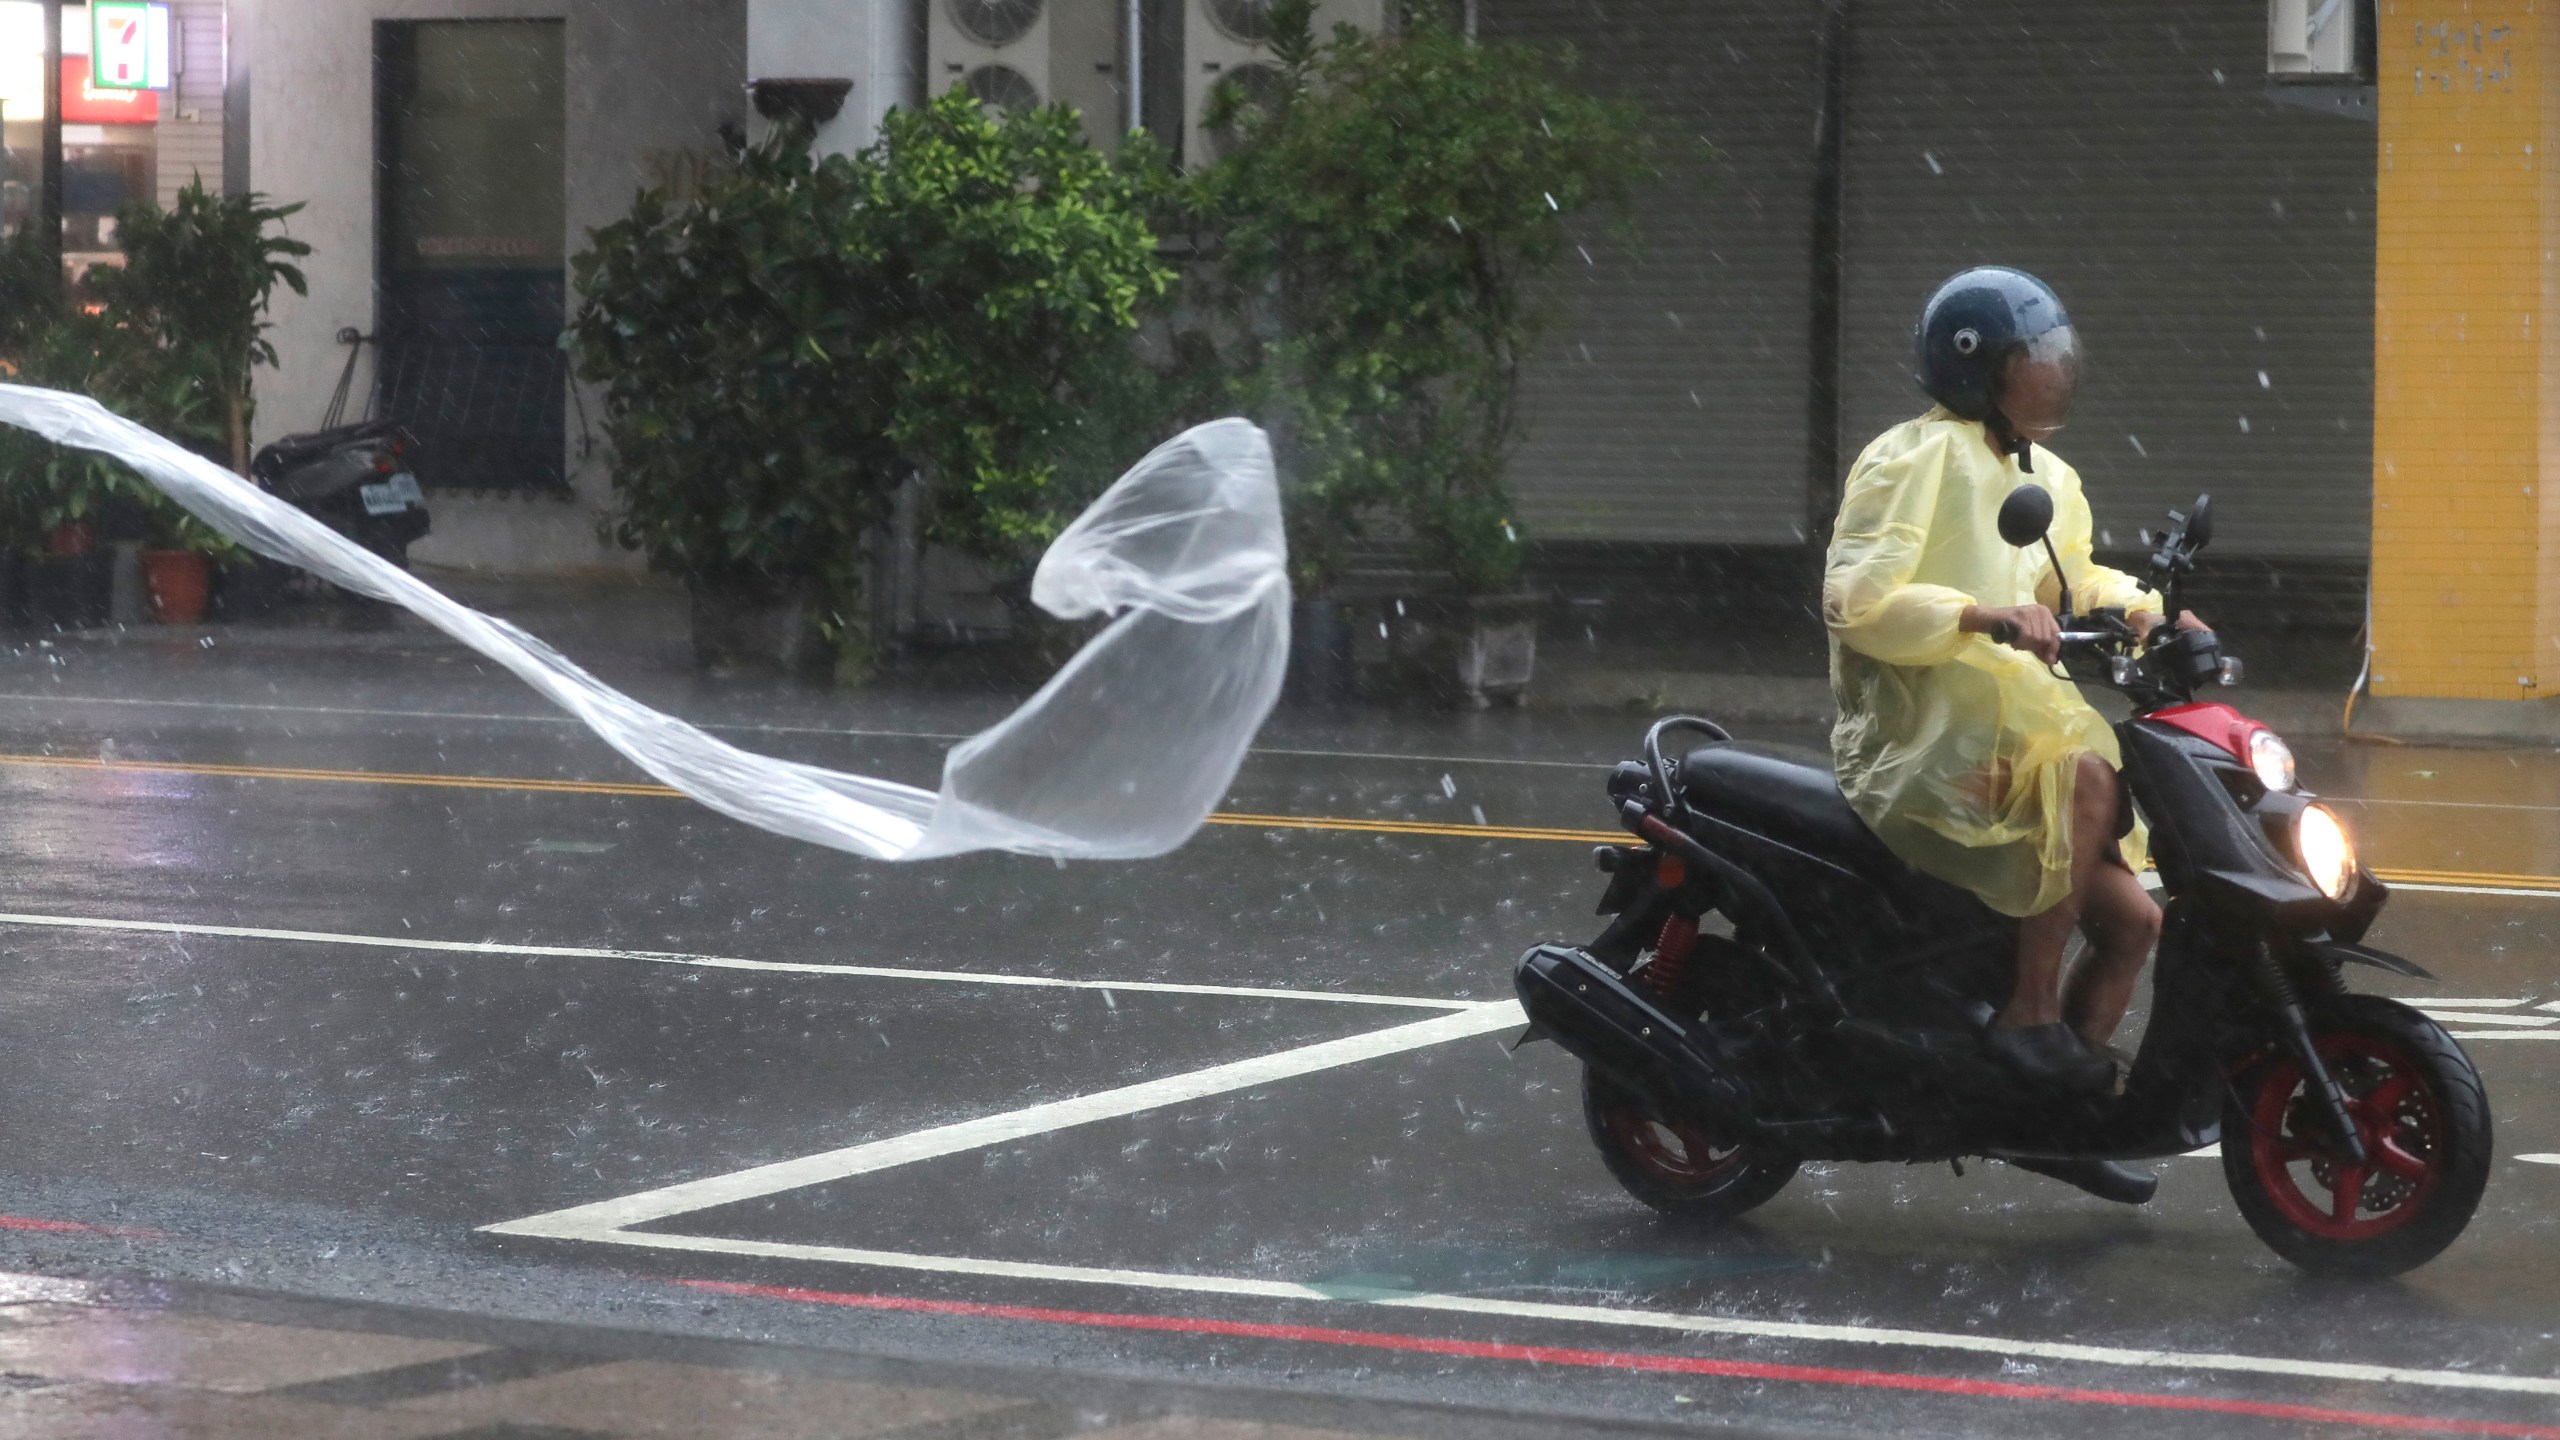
(1134, 83)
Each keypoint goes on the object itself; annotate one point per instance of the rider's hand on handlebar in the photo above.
(2146, 621)
(2031, 628)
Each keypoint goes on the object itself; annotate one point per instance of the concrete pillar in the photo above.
(2466, 435)
(877, 44)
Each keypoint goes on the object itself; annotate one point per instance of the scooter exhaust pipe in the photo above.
(1618, 1030)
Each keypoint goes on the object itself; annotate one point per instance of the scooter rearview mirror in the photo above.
(2200, 523)
(2026, 515)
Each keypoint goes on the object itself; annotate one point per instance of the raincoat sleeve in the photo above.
(2092, 585)
(1868, 597)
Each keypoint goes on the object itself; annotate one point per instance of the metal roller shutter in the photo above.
(1669, 404)
(2215, 248)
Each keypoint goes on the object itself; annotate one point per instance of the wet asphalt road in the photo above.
(231, 1046)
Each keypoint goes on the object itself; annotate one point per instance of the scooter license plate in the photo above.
(392, 496)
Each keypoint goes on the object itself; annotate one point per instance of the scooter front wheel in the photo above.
(1680, 1167)
(2419, 1108)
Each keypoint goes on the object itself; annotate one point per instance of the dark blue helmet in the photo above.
(1971, 327)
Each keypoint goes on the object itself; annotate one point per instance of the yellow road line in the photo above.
(532, 785)
(353, 777)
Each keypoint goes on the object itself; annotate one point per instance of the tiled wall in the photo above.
(190, 133)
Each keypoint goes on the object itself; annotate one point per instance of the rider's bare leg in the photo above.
(2036, 998)
(2123, 924)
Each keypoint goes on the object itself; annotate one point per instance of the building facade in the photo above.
(1708, 381)
(119, 144)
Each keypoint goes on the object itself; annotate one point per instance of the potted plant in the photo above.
(1388, 215)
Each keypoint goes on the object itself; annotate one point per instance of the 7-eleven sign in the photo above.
(128, 45)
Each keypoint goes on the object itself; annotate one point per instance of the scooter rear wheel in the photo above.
(1678, 1166)
(2418, 1106)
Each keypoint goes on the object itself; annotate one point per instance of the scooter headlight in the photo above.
(2272, 759)
(2328, 856)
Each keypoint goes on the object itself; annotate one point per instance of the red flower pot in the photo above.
(179, 582)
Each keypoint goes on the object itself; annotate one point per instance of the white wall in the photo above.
(648, 83)
(877, 44)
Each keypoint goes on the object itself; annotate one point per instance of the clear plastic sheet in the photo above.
(1123, 754)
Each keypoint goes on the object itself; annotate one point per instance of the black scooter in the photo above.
(356, 479)
(1777, 987)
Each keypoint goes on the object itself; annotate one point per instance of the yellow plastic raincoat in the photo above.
(1960, 752)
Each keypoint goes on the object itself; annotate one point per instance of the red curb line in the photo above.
(75, 1227)
(1638, 1361)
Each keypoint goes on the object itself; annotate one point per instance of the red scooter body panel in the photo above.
(2214, 724)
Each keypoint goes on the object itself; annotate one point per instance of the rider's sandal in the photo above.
(2052, 1055)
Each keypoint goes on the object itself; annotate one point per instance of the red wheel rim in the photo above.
(2395, 1112)
(1682, 1154)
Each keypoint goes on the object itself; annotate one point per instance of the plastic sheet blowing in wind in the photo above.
(1122, 755)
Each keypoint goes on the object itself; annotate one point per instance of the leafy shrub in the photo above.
(1012, 264)
(720, 329)
(1385, 220)
(783, 349)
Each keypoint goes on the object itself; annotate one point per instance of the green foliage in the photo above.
(31, 294)
(195, 285)
(780, 351)
(1012, 264)
(720, 329)
(178, 333)
(1385, 220)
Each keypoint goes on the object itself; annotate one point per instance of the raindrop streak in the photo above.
(1934, 167)
(2264, 383)
(2136, 442)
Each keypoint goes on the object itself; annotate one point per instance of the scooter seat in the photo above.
(1790, 796)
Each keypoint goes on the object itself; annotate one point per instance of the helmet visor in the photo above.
(2043, 375)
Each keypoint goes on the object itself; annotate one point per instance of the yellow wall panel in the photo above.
(2466, 549)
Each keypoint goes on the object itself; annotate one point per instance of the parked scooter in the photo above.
(353, 478)
(1842, 1017)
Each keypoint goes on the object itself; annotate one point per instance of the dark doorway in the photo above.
(472, 194)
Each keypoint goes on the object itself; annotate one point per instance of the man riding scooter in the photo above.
(1957, 743)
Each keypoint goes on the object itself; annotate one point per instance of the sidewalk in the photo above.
(1746, 660)
(153, 1358)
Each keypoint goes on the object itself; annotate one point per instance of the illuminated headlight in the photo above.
(2272, 759)
(2327, 855)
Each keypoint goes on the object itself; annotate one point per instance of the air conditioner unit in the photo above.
(2313, 39)
(1226, 44)
(1016, 53)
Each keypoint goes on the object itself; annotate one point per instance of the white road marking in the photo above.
(2431, 1002)
(585, 1221)
(1690, 1324)
(2540, 1158)
(608, 1221)
(2504, 1034)
(724, 962)
(2507, 891)
(2460, 1017)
